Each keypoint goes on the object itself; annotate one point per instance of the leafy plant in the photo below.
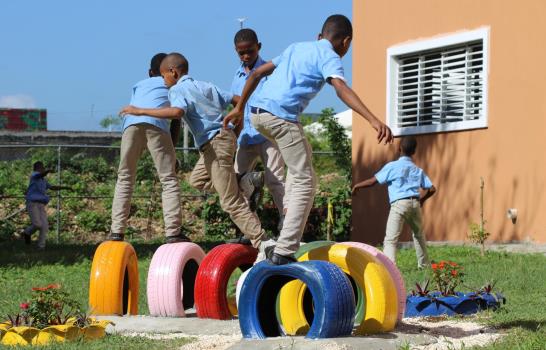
(478, 234)
(338, 140)
(447, 275)
(421, 289)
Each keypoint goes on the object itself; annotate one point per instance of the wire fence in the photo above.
(98, 159)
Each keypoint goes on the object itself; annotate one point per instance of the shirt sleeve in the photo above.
(382, 176)
(425, 181)
(225, 97)
(176, 99)
(332, 68)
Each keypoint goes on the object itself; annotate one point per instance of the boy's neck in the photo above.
(249, 67)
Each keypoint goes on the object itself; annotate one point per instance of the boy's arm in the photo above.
(429, 193)
(351, 99)
(366, 183)
(165, 112)
(251, 83)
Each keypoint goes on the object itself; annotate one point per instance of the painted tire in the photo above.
(171, 279)
(240, 286)
(113, 285)
(333, 299)
(304, 248)
(393, 271)
(381, 309)
(213, 276)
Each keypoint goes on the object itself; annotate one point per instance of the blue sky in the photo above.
(79, 59)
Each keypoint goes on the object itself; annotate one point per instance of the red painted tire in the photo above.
(213, 276)
(171, 278)
(393, 271)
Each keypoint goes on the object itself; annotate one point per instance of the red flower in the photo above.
(54, 286)
(442, 264)
(453, 263)
(454, 273)
(24, 306)
(39, 289)
(434, 266)
(48, 287)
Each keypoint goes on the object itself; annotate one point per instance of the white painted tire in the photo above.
(393, 271)
(240, 285)
(171, 278)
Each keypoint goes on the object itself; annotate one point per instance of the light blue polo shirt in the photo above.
(203, 104)
(300, 72)
(149, 93)
(403, 178)
(37, 189)
(248, 135)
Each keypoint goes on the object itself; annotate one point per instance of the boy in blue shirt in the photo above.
(140, 133)
(251, 144)
(201, 104)
(36, 200)
(404, 180)
(294, 78)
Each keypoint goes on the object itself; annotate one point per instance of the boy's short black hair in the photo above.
(408, 144)
(155, 63)
(245, 34)
(37, 165)
(337, 27)
(177, 60)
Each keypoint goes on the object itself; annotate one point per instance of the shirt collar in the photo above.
(326, 43)
(241, 72)
(405, 158)
(185, 77)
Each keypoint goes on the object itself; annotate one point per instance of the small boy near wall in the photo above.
(404, 180)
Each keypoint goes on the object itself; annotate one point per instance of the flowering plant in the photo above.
(447, 275)
(48, 306)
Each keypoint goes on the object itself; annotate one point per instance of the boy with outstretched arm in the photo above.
(251, 144)
(139, 133)
(404, 180)
(294, 78)
(201, 105)
(36, 200)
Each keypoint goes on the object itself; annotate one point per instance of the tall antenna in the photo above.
(241, 21)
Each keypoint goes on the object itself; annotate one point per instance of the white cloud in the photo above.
(17, 101)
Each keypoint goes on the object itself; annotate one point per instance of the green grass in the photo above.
(520, 277)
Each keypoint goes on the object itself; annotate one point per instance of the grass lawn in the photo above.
(521, 277)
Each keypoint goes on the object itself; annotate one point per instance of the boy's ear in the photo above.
(319, 37)
(347, 42)
(259, 46)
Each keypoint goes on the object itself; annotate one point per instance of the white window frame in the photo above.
(435, 43)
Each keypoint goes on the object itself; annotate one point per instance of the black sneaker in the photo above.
(179, 238)
(241, 240)
(117, 237)
(27, 238)
(277, 259)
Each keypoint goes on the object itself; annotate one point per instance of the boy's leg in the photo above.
(34, 215)
(414, 220)
(163, 154)
(395, 223)
(218, 160)
(245, 159)
(199, 177)
(44, 227)
(133, 142)
(296, 152)
(250, 182)
(274, 172)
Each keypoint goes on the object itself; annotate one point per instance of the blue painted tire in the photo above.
(333, 299)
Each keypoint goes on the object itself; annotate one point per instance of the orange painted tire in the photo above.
(113, 285)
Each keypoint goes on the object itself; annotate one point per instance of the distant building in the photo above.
(19, 119)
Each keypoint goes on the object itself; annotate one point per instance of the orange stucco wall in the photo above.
(510, 154)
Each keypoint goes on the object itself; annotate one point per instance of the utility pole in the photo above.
(241, 21)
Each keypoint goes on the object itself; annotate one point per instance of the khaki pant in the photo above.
(133, 142)
(408, 211)
(214, 172)
(246, 159)
(38, 220)
(301, 181)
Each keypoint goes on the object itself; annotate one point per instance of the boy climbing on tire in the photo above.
(294, 78)
(201, 104)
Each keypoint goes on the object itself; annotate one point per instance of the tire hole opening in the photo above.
(266, 305)
(189, 275)
(125, 291)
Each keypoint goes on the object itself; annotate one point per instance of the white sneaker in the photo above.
(265, 246)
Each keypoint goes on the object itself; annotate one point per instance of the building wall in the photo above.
(509, 154)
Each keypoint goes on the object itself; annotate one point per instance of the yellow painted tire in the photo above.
(113, 285)
(366, 271)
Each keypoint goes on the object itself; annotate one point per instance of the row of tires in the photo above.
(350, 284)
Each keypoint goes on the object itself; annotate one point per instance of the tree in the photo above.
(338, 140)
(110, 121)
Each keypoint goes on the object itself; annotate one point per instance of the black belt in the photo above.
(257, 110)
(412, 197)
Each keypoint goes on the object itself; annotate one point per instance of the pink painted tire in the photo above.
(393, 271)
(171, 278)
